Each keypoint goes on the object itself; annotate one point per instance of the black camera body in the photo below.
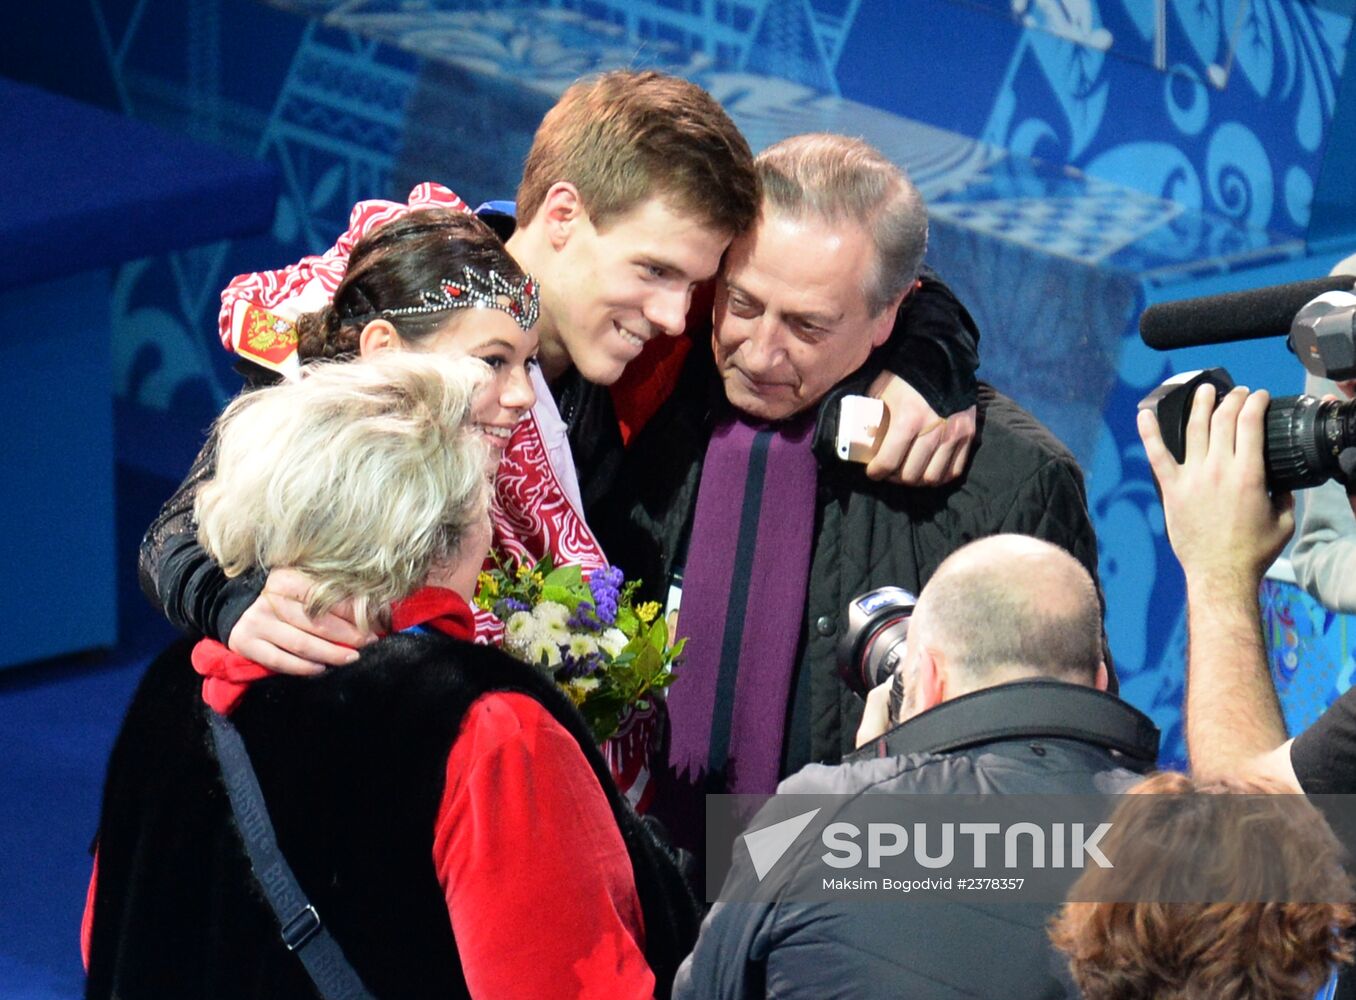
(1304, 437)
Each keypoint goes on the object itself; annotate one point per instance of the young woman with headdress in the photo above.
(400, 277)
(389, 296)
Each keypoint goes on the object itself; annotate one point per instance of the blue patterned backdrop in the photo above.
(1082, 158)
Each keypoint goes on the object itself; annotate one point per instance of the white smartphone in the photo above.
(859, 418)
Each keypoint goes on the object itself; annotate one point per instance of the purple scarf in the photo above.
(743, 601)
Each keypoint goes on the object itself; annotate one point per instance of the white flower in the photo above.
(543, 652)
(557, 633)
(520, 631)
(551, 613)
(613, 641)
(581, 645)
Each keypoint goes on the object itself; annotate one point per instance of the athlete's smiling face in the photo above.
(492, 336)
(613, 288)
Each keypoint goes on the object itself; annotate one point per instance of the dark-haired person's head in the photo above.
(436, 281)
(1222, 890)
(635, 184)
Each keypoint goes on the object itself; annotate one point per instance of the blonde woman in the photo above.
(442, 805)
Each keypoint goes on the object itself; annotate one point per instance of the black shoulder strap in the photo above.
(1025, 710)
(302, 931)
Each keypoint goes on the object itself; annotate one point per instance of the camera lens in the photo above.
(1304, 437)
(872, 645)
(884, 651)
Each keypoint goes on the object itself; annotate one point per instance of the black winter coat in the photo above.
(904, 946)
(352, 765)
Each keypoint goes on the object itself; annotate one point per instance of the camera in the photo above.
(871, 648)
(1304, 436)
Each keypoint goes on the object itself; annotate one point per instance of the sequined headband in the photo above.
(479, 290)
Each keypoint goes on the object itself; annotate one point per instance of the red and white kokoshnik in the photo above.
(259, 311)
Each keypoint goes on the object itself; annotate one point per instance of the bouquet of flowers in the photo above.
(605, 651)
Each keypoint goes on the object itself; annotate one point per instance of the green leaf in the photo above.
(561, 595)
(603, 712)
(659, 634)
(627, 621)
(567, 576)
(649, 661)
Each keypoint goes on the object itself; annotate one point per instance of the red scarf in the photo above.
(227, 675)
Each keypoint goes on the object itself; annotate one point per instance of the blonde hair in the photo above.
(363, 476)
(841, 179)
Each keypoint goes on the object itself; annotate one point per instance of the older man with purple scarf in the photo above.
(731, 503)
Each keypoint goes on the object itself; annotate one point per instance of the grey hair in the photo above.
(838, 178)
(1009, 604)
(363, 475)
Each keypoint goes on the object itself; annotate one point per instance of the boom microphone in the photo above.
(1218, 319)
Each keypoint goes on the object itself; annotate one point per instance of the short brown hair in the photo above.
(624, 137)
(1151, 950)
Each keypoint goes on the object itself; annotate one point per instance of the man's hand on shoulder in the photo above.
(915, 446)
(1222, 524)
(275, 631)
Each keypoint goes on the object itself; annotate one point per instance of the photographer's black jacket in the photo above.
(904, 946)
(868, 534)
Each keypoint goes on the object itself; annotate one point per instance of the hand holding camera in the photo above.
(881, 713)
(1216, 450)
(871, 655)
(1224, 527)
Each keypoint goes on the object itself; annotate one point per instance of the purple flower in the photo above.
(579, 666)
(605, 585)
(506, 606)
(585, 617)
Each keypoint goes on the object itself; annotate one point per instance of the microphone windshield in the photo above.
(1219, 319)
